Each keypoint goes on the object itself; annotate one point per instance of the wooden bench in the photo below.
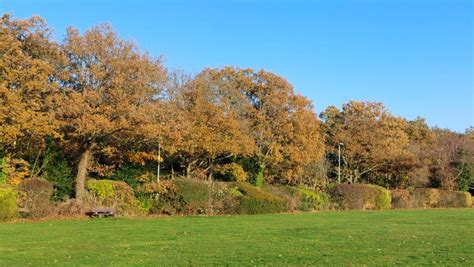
(101, 212)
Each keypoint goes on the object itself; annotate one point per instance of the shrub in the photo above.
(361, 197)
(70, 208)
(180, 196)
(224, 199)
(256, 201)
(113, 194)
(430, 198)
(35, 197)
(436, 198)
(426, 197)
(196, 195)
(291, 195)
(57, 170)
(311, 200)
(454, 199)
(133, 175)
(161, 198)
(402, 199)
(8, 203)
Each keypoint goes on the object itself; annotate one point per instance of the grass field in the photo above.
(444, 237)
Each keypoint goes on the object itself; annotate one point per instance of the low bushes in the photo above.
(360, 197)
(430, 198)
(113, 194)
(256, 201)
(224, 198)
(290, 194)
(8, 203)
(300, 198)
(312, 200)
(194, 197)
(402, 199)
(182, 196)
(35, 197)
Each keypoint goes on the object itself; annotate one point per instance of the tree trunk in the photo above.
(82, 173)
(188, 171)
(211, 170)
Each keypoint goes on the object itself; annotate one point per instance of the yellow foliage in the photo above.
(16, 170)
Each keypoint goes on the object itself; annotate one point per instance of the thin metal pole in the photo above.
(159, 161)
(339, 164)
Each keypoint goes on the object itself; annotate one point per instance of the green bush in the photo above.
(311, 200)
(35, 197)
(196, 195)
(57, 170)
(113, 194)
(361, 197)
(133, 175)
(8, 203)
(256, 201)
(3, 174)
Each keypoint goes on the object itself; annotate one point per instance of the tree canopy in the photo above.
(95, 105)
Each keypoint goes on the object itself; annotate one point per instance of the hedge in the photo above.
(361, 197)
(402, 199)
(180, 196)
(8, 203)
(256, 201)
(430, 198)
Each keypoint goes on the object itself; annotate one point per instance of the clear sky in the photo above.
(415, 56)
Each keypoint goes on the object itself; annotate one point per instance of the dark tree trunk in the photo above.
(82, 173)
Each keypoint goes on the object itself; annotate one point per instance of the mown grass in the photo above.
(407, 237)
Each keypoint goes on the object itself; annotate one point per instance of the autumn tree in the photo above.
(375, 142)
(108, 97)
(212, 129)
(28, 79)
(282, 124)
(452, 160)
(421, 144)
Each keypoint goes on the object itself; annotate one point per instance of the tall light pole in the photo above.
(339, 162)
(159, 161)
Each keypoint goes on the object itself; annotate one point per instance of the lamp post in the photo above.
(339, 162)
(159, 163)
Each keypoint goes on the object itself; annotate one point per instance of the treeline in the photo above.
(95, 106)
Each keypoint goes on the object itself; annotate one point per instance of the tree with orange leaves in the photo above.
(108, 96)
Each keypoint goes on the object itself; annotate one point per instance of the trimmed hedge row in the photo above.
(193, 197)
(360, 197)
(256, 201)
(430, 198)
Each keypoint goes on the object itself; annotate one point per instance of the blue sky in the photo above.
(415, 56)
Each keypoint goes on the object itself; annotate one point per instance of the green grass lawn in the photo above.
(444, 237)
